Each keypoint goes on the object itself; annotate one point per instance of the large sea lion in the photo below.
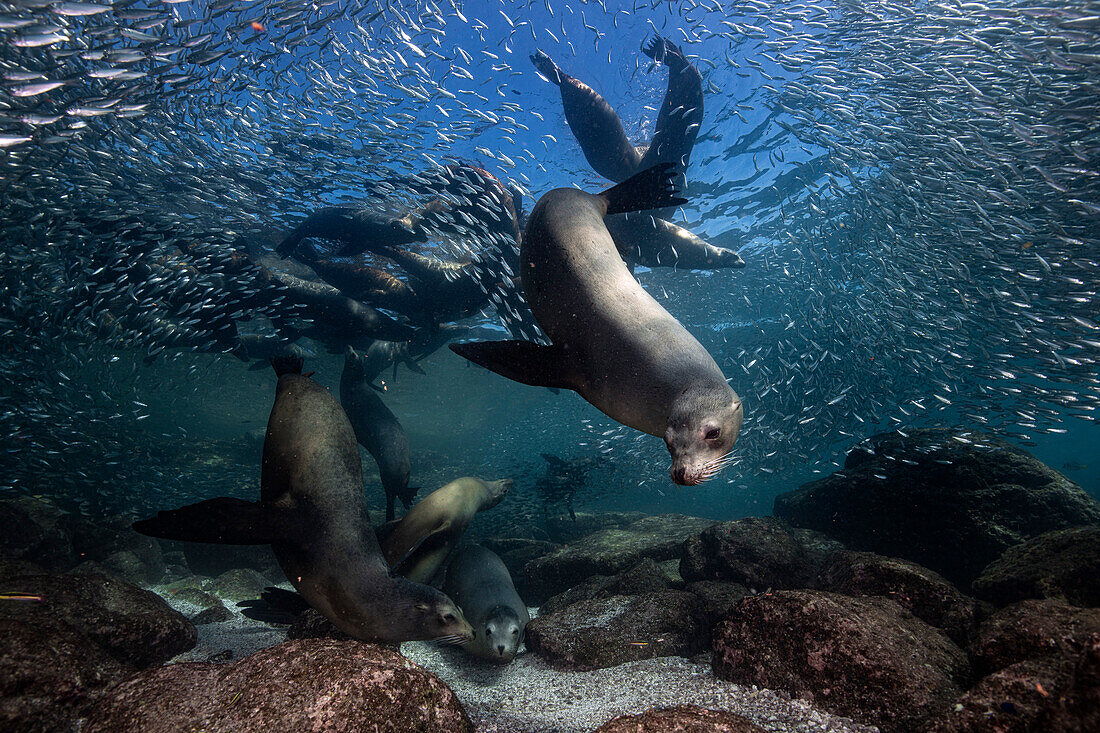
(378, 430)
(313, 513)
(357, 229)
(610, 340)
(600, 133)
(422, 541)
(478, 581)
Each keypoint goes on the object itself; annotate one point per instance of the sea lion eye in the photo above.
(515, 632)
(488, 632)
(713, 434)
(448, 617)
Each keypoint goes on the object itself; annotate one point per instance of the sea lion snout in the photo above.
(700, 437)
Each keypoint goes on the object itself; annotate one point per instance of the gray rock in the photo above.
(308, 684)
(951, 500)
(610, 552)
(212, 615)
(758, 552)
(645, 577)
(33, 530)
(607, 632)
(866, 658)
(1060, 564)
(718, 597)
(563, 528)
(681, 719)
(1032, 629)
(1009, 700)
(240, 584)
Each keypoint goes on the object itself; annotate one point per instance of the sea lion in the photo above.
(358, 229)
(377, 430)
(654, 242)
(418, 545)
(610, 340)
(478, 581)
(313, 513)
(600, 133)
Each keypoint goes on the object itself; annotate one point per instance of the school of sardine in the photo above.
(915, 189)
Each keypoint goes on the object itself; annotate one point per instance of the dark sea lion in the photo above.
(650, 241)
(378, 430)
(313, 513)
(420, 543)
(358, 229)
(600, 133)
(478, 581)
(610, 340)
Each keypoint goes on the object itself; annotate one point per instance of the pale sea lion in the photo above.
(378, 430)
(421, 542)
(610, 340)
(313, 513)
(478, 581)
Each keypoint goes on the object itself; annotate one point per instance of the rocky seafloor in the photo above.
(942, 580)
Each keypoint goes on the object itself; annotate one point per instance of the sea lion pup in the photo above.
(600, 133)
(654, 242)
(358, 229)
(420, 543)
(478, 581)
(377, 430)
(313, 513)
(610, 340)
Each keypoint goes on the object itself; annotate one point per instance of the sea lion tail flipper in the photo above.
(653, 188)
(521, 361)
(554, 461)
(274, 606)
(655, 48)
(222, 521)
(546, 67)
(287, 364)
(426, 544)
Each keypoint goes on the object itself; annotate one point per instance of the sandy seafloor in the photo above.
(528, 696)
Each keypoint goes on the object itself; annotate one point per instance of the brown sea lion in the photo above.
(654, 242)
(420, 543)
(358, 229)
(610, 340)
(313, 514)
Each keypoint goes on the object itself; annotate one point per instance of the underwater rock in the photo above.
(606, 632)
(862, 657)
(926, 594)
(33, 529)
(212, 615)
(680, 719)
(213, 560)
(51, 674)
(240, 584)
(1078, 709)
(133, 625)
(1060, 564)
(312, 625)
(609, 552)
(116, 547)
(759, 552)
(564, 529)
(645, 577)
(1009, 700)
(1030, 630)
(11, 568)
(196, 596)
(307, 684)
(718, 597)
(951, 500)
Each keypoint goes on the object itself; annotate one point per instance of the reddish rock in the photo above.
(925, 593)
(680, 719)
(1031, 630)
(645, 577)
(308, 684)
(866, 658)
(1062, 564)
(1012, 700)
(1077, 710)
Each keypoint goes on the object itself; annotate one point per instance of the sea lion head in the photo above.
(702, 427)
(441, 620)
(500, 635)
(497, 490)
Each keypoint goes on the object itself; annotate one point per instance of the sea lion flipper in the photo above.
(653, 188)
(222, 521)
(275, 606)
(426, 544)
(287, 364)
(521, 361)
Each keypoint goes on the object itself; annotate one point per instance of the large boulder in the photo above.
(862, 657)
(925, 593)
(34, 530)
(564, 528)
(645, 577)
(58, 654)
(1032, 629)
(718, 597)
(607, 632)
(1060, 564)
(1077, 710)
(757, 552)
(308, 684)
(1011, 700)
(610, 552)
(951, 500)
(680, 719)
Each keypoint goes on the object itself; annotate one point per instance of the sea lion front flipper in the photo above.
(221, 521)
(428, 543)
(521, 361)
(274, 606)
(653, 188)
